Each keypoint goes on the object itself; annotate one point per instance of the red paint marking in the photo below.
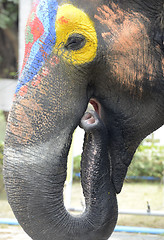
(37, 31)
(54, 60)
(57, 60)
(63, 20)
(37, 28)
(44, 54)
(23, 91)
(35, 3)
(36, 81)
(26, 55)
(163, 66)
(45, 71)
(40, 40)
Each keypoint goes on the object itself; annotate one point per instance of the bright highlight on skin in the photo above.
(71, 20)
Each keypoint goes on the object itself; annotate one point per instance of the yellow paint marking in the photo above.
(71, 20)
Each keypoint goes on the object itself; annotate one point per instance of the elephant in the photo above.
(109, 53)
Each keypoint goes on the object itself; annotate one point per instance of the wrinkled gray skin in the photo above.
(124, 83)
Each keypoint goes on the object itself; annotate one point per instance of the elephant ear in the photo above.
(159, 29)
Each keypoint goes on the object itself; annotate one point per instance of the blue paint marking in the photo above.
(127, 229)
(9, 221)
(139, 230)
(42, 48)
(149, 178)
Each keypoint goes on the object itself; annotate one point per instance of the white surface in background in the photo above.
(7, 90)
(159, 134)
(24, 10)
(78, 141)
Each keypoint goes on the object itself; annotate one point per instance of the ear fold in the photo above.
(159, 29)
(159, 38)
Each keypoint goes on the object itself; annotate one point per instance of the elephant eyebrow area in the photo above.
(76, 37)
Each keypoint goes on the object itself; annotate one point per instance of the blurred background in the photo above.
(144, 185)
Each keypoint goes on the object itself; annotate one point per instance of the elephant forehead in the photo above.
(72, 20)
(40, 38)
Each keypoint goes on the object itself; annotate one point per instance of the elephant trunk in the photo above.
(36, 196)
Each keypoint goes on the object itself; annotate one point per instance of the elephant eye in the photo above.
(75, 42)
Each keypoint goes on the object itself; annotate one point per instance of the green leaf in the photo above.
(14, 1)
(4, 19)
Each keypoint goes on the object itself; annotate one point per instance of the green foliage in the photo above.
(148, 161)
(1, 116)
(8, 13)
(76, 167)
(1, 166)
(2, 126)
(1, 153)
(14, 1)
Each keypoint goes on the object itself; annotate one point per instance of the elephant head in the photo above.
(109, 53)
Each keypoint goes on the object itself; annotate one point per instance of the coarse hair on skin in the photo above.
(155, 12)
(151, 9)
(159, 28)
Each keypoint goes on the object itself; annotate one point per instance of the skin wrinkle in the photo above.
(32, 111)
(27, 108)
(23, 124)
(130, 53)
(17, 128)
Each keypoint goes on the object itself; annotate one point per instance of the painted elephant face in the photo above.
(106, 52)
